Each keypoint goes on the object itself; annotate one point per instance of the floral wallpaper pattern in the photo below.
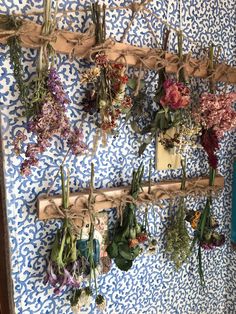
(152, 285)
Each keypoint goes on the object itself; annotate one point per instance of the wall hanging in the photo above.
(85, 243)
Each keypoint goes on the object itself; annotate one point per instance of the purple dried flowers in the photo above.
(50, 120)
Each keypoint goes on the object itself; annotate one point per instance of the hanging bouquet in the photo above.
(73, 259)
(66, 266)
(204, 225)
(177, 236)
(130, 236)
(46, 107)
(173, 101)
(107, 82)
(216, 116)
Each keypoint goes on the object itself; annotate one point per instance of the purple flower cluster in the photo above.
(50, 121)
(19, 138)
(69, 276)
(75, 141)
(55, 87)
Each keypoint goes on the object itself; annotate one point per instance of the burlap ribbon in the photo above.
(82, 45)
(155, 197)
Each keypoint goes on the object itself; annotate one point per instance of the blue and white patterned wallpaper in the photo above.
(152, 285)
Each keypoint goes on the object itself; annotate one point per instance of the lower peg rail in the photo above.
(104, 198)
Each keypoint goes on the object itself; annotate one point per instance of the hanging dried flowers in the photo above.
(204, 225)
(172, 100)
(66, 267)
(107, 82)
(46, 108)
(177, 236)
(73, 258)
(130, 236)
(216, 116)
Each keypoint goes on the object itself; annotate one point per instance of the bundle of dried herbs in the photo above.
(8, 22)
(177, 237)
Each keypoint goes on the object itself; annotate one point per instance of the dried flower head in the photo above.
(100, 302)
(90, 75)
(176, 96)
(216, 112)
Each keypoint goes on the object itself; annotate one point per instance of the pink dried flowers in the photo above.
(216, 116)
(216, 113)
(50, 120)
(176, 95)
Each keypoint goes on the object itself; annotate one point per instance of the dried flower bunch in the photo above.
(131, 237)
(106, 96)
(73, 259)
(172, 100)
(66, 266)
(211, 238)
(216, 115)
(177, 236)
(204, 226)
(46, 110)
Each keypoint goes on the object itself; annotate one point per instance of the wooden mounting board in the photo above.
(80, 44)
(46, 210)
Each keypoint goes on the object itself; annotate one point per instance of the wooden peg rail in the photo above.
(79, 200)
(82, 44)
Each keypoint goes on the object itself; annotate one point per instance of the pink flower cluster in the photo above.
(176, 96)
(50, 121)
(216, 113)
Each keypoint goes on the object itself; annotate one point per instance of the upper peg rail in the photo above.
(81, 45)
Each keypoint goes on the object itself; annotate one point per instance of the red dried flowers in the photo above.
(176, 95)
(107, 97)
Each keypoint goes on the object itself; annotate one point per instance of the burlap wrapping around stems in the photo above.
(82, 45)
(155, 197)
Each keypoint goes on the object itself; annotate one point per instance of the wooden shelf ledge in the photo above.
(46, 210)
(82, 44)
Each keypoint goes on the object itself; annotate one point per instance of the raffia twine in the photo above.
(29, 36)
(75, 213)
